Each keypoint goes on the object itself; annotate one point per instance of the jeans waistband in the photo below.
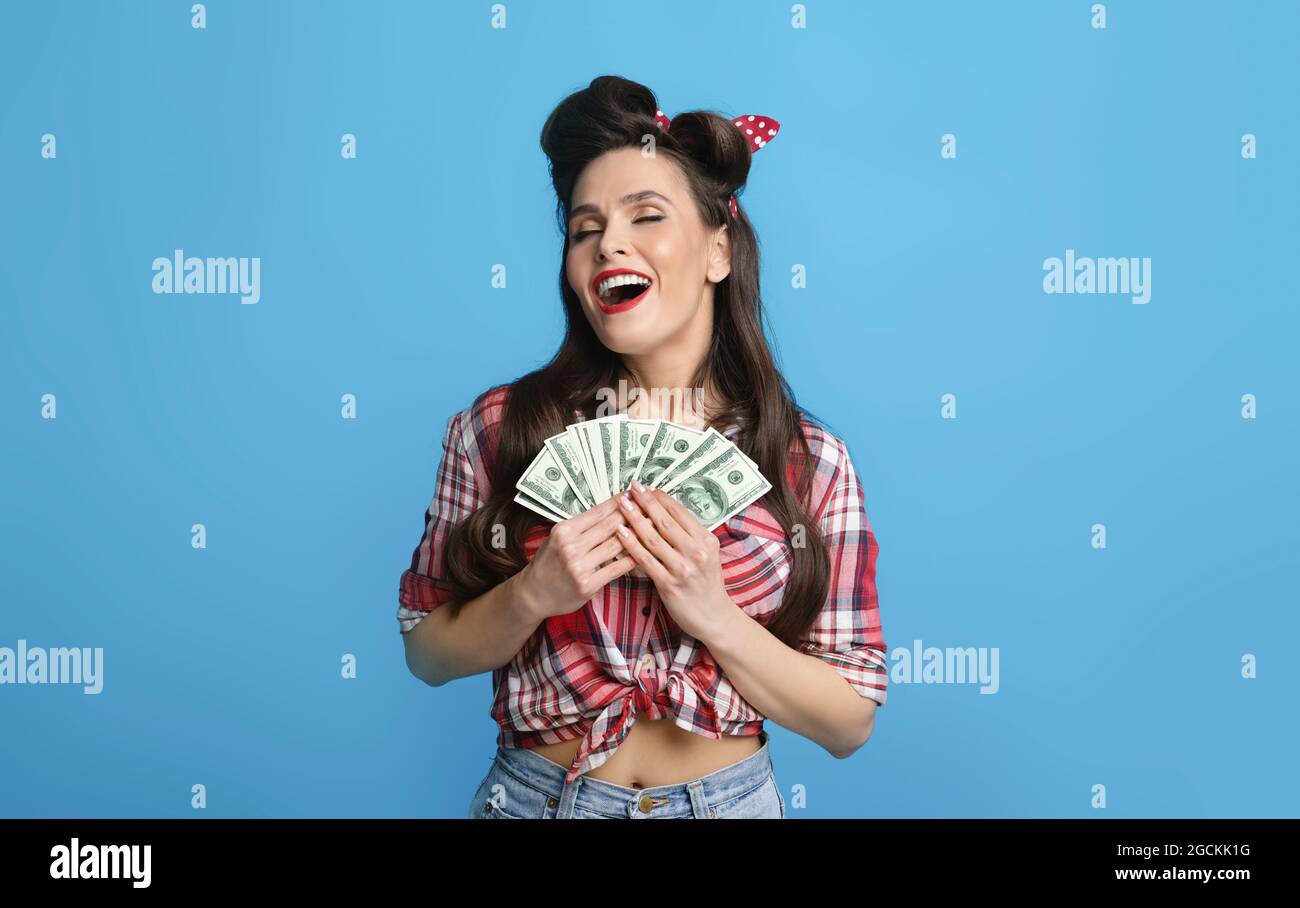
(600, 796)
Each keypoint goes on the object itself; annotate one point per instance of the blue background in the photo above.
(1119, 667)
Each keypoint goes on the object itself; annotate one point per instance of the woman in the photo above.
(635, 655)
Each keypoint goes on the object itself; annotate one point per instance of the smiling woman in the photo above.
(646, 265)
(635, 654)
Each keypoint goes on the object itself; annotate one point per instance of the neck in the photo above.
(662, 380)
(663, 376)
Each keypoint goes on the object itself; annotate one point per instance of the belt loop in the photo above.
(567, 798)
(699, 803)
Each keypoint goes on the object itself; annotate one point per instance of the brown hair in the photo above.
(613, 113)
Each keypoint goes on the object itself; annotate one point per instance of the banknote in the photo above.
(594, 459)
(720, 487)
(603, 436)
(595, 478)
(634, 437)
(538, 507)
(705, 449)
(668, 444)
(568, 455)
(543, 481)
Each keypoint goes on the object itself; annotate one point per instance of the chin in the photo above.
(634, 338)
(629, 343)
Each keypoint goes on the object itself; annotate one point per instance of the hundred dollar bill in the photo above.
(590, 433)
(542, 509)
(668, 443)
(579, 436)
(748, 459)
(606, 450)
(570, 459)
(544, 482)
(720, 488)
(710, 445)
(634, 435)
(599, 476)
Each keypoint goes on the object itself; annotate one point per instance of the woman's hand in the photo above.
(567, 569)
(679, 555)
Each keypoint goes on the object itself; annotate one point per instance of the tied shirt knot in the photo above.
(652, 688)
(658, 693)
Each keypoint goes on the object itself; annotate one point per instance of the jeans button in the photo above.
(551, 802)
(646, 804)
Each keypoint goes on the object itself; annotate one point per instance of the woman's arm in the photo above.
(793, 689)
(487, 634)
(575, 561)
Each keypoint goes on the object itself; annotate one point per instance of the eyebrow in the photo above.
(626, 200)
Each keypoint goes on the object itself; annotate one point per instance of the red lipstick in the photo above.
(623, 305)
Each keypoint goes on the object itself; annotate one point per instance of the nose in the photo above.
(611, 243)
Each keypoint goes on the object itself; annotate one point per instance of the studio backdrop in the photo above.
(1032, 261)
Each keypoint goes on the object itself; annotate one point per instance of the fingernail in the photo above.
(625, 501)
(636, 485)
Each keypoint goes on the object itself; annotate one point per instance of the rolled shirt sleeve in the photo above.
(456, 495)
(847, 634)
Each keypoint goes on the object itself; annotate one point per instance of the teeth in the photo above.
(620, 280)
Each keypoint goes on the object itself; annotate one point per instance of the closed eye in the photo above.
(582, 233)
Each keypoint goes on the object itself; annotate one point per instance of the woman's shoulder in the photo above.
(828, 458)
(827, 450)
(822, 441)
(485, 412)
(474, 428)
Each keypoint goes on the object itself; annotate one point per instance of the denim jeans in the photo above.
(521, 784)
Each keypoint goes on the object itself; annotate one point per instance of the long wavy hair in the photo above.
(610, 114)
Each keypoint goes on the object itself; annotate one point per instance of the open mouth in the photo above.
(622, 291)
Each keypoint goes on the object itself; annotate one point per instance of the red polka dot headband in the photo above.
(758, 130)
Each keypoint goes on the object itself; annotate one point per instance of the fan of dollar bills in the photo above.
(596, 458)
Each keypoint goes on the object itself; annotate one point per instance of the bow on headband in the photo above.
(758, 129)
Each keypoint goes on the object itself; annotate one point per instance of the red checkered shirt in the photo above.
(621, 652)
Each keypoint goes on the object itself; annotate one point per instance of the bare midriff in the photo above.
(658, 752)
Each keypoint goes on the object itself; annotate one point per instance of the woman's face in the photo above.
(658, 235)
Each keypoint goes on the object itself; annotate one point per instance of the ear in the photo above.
(720, 254)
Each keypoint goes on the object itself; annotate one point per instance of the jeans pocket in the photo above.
(477, 800)
(503, 796)
(762, 802)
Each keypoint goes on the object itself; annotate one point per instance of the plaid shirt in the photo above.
(621, 652)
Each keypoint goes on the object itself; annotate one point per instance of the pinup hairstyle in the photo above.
(610, 114)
